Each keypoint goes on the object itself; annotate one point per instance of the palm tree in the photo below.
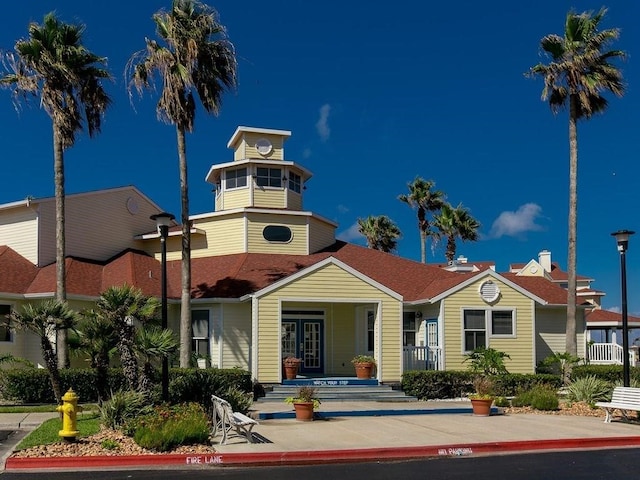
(152, 343)
(424, 200)
(53, 65)
(380, 231)
(577, 75)
(97, 340)
(453, 223)
(196, 58)
(45, 320)
(124, 306)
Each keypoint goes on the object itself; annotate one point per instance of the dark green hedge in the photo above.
(430, 384)
(31, 385)
(609, 373)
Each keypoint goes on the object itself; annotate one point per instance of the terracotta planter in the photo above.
(304, 411)
(291, 369)
(363, 370)
(481, 406)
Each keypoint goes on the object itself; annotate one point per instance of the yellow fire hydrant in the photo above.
(69, 410)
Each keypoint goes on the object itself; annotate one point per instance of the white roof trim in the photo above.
(175, 233)
(327, 261)
(244, 210)
(266, 131)
(496, 276)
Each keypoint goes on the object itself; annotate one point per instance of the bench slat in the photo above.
(623, 398)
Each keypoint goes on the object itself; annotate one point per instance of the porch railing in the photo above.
(421, 358)
(608, 354)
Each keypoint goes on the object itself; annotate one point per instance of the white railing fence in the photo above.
(421, 358)
(609, 354)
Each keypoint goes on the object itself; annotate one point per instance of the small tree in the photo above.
(45, 320)
(487, 361)
(151, 345)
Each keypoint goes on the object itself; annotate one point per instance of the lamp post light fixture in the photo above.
(622, 238)
(163, 220)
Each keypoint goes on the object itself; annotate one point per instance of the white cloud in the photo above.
(514, 224)
(350, 234)
(614, 309)
(322, 125)
(343, 209)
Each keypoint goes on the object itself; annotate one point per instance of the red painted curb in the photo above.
(301, 457)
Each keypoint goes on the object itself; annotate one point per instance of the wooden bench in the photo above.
(224, 419)
(623, 399)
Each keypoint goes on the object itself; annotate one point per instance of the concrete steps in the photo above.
(328, 391)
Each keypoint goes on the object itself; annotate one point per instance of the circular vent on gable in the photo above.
(489, 291)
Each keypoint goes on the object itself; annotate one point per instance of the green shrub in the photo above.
(590, 389)
(608, 373)
(167, 428)
(240, 401)
(433, 384)
(32, 385)
(198, 384)
(513, 383)
(501, 402)
(540, 397)
(123, 407)
(544, 398)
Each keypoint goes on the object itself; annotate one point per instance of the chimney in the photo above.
(544, 259)
(461, 259)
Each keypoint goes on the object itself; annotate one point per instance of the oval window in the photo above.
(277, 233)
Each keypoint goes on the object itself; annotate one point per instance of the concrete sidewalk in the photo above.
(395, 435)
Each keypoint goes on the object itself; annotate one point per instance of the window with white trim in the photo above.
(6, 334)
(502, 323)
(480, 324)
(235, 178)
(268, 177)
(200, 325)
(475, 329)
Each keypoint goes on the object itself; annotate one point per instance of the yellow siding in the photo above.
(257, 243)
(321, 235)
(330, 282)
(520, 347)
(236, 198)
(19, 230)
(550, 332)
(294, 200)
(268, 197)
(236, 336)
(247, 147)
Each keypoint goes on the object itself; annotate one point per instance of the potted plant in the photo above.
(364, 365)
(483, 397)
(291, 366)
(304, 403)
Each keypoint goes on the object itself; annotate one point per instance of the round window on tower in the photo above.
(277, 234)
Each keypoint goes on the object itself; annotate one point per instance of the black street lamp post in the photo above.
(622, 238)
(163, 220)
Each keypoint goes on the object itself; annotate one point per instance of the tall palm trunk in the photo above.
(61, 290)
(185, 299)
(50, 360)
(423, 234)
(451, 248)
(127, 356)
(571, 340)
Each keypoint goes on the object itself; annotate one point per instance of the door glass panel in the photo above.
(312, 345)
(432, 334)
(289, 339)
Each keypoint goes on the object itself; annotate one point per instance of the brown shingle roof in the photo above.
(541, 287)
(607, 316)
(16, 272)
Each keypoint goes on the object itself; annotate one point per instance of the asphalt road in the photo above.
(583, 465)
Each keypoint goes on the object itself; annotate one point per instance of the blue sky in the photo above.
(375, 93)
